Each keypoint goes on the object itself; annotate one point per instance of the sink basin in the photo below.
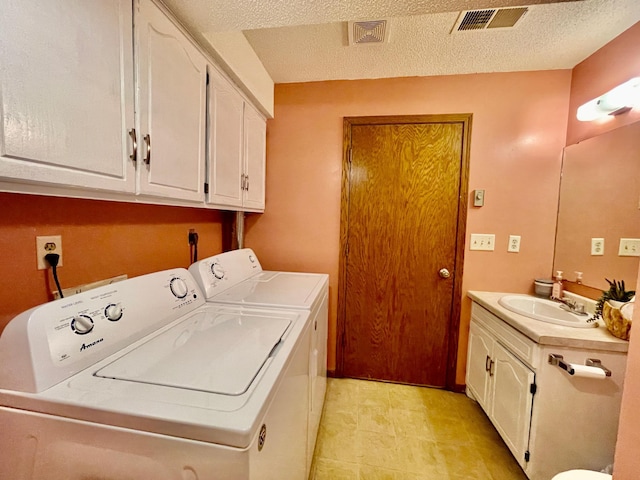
(543, 310)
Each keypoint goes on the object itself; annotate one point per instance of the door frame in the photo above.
(463, 201)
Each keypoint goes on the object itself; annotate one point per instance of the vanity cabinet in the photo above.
(66, 93)
(551, 421)
(237, 144)
(503, 385)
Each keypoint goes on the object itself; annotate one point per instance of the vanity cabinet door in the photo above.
(171, 99)
(511, 400)
(66, 94)
(479, 363)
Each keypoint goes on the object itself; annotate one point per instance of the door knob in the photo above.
(444, 273)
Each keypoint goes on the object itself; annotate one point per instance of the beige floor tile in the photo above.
(412, 423)
(333, 470)
(421, 457)
(377, 450)
(375, 418)
(374, 430)
(337, 443)
(376, 473)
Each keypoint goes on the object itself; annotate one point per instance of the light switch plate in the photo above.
(478, 198)
(629, 247)
(597, 246)
(483, 241)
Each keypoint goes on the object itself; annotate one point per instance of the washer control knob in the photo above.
(217, 271)
(113, 312)
(178, 287)
(82, 324)
(252, 259)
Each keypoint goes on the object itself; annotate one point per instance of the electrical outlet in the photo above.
(514, 243)
(629, 247)
(597, 246)
(44, 245)
(482, 241)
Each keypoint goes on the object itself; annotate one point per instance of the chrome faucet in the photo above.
(572, 306)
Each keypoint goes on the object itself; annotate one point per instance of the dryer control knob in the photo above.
(113, 312)
(217, 271)
(178, 287)
(82, 324)
(252, 259)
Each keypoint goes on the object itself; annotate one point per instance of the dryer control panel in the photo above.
(221, 272)
(51, 342)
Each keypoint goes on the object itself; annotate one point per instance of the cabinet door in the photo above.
(511, 400)
(171, 98)
(226, 113)
(255, 132)
(478, 360)
(66, 93)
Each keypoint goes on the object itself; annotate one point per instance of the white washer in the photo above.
(143, 379)
(237, 278)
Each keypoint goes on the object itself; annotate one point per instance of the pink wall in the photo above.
(610, 66)
(99, 240)
(518, 132)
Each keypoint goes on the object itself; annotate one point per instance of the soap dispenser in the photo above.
(558, 288)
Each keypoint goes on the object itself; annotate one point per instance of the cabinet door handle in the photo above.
(242, 182)
(491, 364)
(134, 142)
(247, 182)
(147, 158)
(486, 363)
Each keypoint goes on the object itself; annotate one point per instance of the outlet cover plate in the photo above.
(514, 243)
(597, 246)
(483, 241)
(48, 244)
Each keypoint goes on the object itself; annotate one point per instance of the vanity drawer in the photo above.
(520, 345)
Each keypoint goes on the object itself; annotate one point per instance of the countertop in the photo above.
(548, 334)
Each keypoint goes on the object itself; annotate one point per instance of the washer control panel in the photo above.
(72, 333)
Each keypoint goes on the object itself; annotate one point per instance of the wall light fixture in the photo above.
(619, 100)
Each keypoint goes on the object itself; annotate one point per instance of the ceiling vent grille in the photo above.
(369, 32)
(489, 19)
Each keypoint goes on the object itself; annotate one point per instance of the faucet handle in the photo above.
(579, 307)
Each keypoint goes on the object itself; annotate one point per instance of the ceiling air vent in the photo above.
(489, 18)
(369, 32)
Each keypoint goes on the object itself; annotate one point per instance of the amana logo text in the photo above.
(85, 345)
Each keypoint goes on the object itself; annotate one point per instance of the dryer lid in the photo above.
(276, 289)
(208, 351)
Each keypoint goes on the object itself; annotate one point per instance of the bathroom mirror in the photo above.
(600, 199)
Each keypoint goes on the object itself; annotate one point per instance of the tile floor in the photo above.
(375, 431)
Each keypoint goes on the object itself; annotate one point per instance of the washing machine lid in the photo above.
(208, 351)
(276, 289)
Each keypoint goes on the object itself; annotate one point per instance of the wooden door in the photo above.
(66, 94)
(404, 203)
(172, 83)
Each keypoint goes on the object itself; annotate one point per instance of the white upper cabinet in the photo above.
(255, 129)
(171, 101)
(66, 93)
(237, 143)
(226, 145)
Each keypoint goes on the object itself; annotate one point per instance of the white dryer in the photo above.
(144, 379)
(237, 278)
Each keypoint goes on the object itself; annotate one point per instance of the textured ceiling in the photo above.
(307, 39)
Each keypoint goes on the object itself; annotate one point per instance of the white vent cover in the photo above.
(368, 32)
(490, 18)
